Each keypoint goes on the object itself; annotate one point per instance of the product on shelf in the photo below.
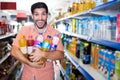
(117, 64)
(86, 53)
(106, 63)
(72, 46)
(94, 54)
(78, 48)
(118, 28)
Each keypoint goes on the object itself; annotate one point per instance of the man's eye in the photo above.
(36, 14)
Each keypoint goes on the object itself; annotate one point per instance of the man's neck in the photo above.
(42, 30)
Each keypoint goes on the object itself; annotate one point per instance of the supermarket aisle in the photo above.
(57, 72)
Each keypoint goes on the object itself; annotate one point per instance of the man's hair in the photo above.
(39, 5)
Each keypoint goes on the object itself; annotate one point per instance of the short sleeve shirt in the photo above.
(29, 71)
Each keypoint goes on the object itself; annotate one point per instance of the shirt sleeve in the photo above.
(60, 45)
(20, 32)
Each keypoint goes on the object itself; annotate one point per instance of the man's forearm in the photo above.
(54, 55)
(15, 52)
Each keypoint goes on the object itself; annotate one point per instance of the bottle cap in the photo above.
(21, 36)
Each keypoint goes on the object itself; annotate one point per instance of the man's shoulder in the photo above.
(27, 27)
(53, 29)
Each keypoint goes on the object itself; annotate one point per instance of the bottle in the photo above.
(78, 49)
(86, 53)
(54, 42)
(117, 64)
(46, 46)
(38, 41)
(23, 45)
(30, 44)
(72, 46)
(68, 68)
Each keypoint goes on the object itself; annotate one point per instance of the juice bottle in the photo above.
(46, 46)
(30, 43)
(23, 45)
(54, 42)
(73, 25)
(72, 47)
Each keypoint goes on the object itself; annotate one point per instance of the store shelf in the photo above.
(107, 43)
(107, 6)
(88, 72)
(7, 35)
(13, 67)
(63, 72)
(111, 44)
(76, 35)
(4, 58)
(75, 15)
(10, 71)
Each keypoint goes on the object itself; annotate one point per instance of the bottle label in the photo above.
(46, 45)
(23, 49)
(30, 49)
(53, 47)
(86, 58)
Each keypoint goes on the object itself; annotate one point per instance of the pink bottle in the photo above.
(38, 41)
(118, 28)
(54, 42)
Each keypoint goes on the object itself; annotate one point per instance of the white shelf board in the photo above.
(7, 35)
(4, 58)
(93, 72)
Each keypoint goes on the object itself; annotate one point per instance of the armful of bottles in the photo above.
(48, 44)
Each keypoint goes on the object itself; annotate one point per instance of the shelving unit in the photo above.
(111, 10)
(4, 58)
(7, 35)
(7, 55)
(88, 72)
(63, 72)
(107, 6)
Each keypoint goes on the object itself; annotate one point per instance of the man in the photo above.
(32, 69)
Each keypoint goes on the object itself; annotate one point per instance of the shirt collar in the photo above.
(36, 29)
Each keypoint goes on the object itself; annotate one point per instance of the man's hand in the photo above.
(36, 55)
(36, 64)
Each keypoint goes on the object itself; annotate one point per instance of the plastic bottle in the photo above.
(117, 65)
(23, 45)
(78, 49)
(118, 28)
(46, 46)
(72, 47)
(38, 41)
(86, 54)
(54, 42)
(30, 44)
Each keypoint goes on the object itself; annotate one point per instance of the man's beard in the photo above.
(41, 27)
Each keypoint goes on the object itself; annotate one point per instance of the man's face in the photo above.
(40, 17)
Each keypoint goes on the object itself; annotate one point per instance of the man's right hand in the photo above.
(37, 64)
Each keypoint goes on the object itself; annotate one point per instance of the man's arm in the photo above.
(16, 53)
(53, 55)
